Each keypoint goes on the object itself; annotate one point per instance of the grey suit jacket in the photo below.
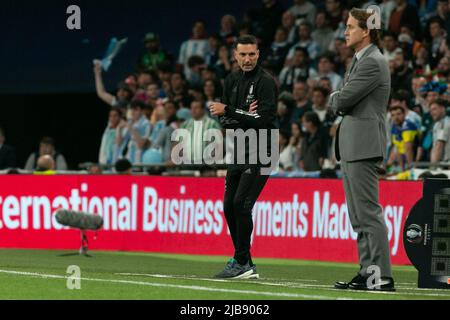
(363, 102)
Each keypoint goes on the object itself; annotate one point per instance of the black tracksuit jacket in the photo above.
(240, 90)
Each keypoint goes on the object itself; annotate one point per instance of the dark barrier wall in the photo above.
(39, 54)
(76, 121)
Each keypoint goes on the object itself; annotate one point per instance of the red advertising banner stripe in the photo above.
(293, 218)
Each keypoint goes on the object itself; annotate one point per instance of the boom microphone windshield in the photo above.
(80, 220)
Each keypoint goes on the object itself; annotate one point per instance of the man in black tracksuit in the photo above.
(248, 103)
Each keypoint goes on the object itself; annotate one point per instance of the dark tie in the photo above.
(352, 65)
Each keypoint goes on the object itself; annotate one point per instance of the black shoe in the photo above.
(384, 284)
(236, 271)
(356, 281)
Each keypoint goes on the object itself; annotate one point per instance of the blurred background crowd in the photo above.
(302, 44)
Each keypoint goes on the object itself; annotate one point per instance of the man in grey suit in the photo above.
(361, 147)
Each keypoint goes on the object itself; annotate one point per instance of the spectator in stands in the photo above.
(299, 70)
(319, 106)
(136, 133)
(7, 153)
(296, 143)
(212, 55)
(408, 42)
(45, 165)
(109, 150)
(390, 46)
(401, 98)
(197, 45)
(228, 29)
(275, 55)
(314, 147)
(302, 103)
(212, 91)
(46, 147)
(266, 20)
(404, 135)
(402, 76)
(334, 12)
(161, 147)
(158, 121)
(325, 69)
(339, 33)
(404, 14)
(303, 10)
(305, 41)
(223, 64)
(323, 35)
(153, 94)
(288, 23)
(197, 126)
(154, 54)
(178, 90)
(286, 162)
(437, 39)
(441, 132)
(286, 104)
(442, 12)
(386, 8)
(95, 169)
(123, 166)
(195, 64)
(123, 94)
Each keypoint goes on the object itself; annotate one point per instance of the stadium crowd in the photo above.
(303, 47)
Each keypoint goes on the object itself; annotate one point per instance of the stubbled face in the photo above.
(114, 118)
(398, 116)
(246, 56)
(437, 112)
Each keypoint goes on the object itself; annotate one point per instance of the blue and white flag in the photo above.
(113, 49)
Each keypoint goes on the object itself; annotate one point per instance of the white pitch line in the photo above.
(165, 285)
(293, 285)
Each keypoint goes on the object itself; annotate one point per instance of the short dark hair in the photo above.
(246, 39)
(311, 116)
(396, 108)
(138, 104)
(324, 91)
(122, 165)
(48, 140)
(118, 110)
(439, 102)
(2, 132)
(401, 95)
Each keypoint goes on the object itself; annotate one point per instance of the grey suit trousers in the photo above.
(366, 215)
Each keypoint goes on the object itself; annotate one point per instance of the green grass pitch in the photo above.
(42, 274)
